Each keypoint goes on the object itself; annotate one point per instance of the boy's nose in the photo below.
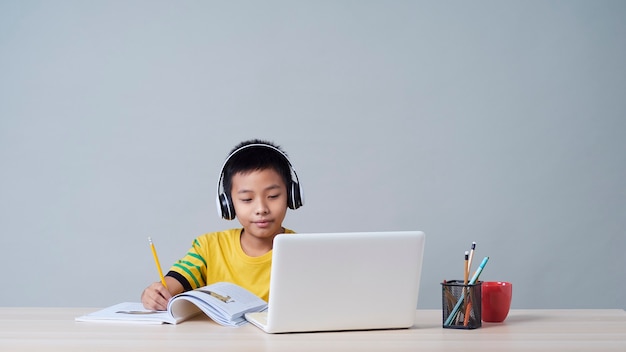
(262, 208)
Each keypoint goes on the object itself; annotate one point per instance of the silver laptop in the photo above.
(343, 281)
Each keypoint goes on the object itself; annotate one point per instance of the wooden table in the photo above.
(54, 329)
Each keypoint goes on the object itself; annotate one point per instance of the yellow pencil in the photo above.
(466, 268)
(465, 278)
(156, 260)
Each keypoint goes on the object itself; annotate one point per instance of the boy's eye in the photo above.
(246, 200)
(272, 196)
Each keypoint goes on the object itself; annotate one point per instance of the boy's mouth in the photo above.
(262, 223)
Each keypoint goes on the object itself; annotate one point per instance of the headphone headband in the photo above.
(225, 208)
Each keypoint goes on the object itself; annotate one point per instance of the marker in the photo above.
(156, 261)
(479, 270)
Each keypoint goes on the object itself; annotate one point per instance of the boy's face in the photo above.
(260, 201)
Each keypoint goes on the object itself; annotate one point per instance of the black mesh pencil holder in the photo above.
(461, 304)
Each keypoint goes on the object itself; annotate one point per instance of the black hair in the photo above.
(256, 158)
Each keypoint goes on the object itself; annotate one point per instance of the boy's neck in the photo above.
(255, 247)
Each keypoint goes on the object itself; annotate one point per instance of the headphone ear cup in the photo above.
(228, 210)
(295, 198)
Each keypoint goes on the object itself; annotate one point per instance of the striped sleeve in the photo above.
(190, 270)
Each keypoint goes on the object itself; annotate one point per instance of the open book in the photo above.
(224, 302)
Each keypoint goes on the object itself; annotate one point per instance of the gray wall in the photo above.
(500, 122)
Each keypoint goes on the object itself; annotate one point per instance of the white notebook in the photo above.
(343, 281)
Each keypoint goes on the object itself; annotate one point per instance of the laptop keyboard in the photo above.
(259, 317)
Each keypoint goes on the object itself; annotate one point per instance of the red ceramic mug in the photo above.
(496, 300)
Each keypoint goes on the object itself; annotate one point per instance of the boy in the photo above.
(257, 184)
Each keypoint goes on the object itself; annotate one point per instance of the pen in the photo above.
(225, 299)
(156, 261)
(469, 265)
(455, 311)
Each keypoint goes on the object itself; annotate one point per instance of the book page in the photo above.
(223, 302)
(226, 303)
(130, 312)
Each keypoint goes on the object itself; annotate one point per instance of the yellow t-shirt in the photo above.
(218, 256)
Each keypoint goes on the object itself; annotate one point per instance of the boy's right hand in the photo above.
(155, 297)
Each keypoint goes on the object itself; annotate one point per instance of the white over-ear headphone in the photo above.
(225, 208)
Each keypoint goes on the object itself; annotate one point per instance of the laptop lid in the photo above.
(344, 281)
